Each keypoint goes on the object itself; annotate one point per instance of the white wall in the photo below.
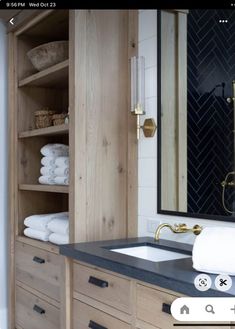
(3, 178)
(147, 190)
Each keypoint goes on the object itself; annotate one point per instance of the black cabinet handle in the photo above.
(98, 282)
(166, 308)
(94, 325)
(38, 260)
(38, 309)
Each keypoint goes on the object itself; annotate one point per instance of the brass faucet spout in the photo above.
(180, 228)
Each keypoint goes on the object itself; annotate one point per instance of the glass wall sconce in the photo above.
(138, 97)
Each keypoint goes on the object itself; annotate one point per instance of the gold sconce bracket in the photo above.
(149, 127)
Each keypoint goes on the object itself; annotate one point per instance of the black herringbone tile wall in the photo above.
(211, 62)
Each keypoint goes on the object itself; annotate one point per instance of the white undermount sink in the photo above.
(150, 253)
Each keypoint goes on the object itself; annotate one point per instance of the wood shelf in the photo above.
(55, 76)
(47, 246)
(49, 131)
(44, 188)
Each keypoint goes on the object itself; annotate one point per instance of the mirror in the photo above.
(196, 111)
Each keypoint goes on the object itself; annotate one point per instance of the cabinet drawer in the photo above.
(86, 316)
(38, 269)
(109, 289)
(34, 313)
(149, 307)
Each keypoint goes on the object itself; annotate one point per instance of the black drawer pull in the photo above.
(166, 308)
(38, 260)
(94, 325)
(38, 309)
(98, 282)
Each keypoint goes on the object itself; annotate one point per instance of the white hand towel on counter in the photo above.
(55, 150)
(62, 161)
(61, 171)
(213, 251)
(48, 171)
(47, 180)
(59, 225)
(35, 234)
(40, 222)
(61, 180)
(48, 161)
(58, 238)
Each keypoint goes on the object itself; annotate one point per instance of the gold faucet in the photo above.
(178, 228)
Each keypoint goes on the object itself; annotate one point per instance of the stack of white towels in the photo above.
(48, 227)
(55, 164)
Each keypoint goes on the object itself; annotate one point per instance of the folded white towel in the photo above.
(62, 171)
(48, 171)
(59, 225)
(40, 222)
(213, 250)
(35, 234)
(62, 161)
(55, 150)
(61, 180)
(59, 238)
(48, 161)
(47, 180)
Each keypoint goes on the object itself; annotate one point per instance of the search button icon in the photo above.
(209, 309)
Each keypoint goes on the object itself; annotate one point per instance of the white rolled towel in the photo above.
(48, 171)
(64, 180)
(213, 251)
(62, 171)
(59, 238)
(47, 180)
(62, 161)
(35, 234)
(59, 225)
(40, 222)
(48, 161)
(55, 150)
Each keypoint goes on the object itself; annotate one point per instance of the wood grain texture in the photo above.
(55, 76)
(84, 313)
(132, 180)
(169, 172)
(45, 277)
(77, 137)
(48, 131)
(47, 246)
(107, 111)
(117, 294)
(27, 318)
(174, 110)
(182, 111)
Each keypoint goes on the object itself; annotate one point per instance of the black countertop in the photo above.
(177, 275)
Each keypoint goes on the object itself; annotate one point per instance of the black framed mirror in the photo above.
(196, 113)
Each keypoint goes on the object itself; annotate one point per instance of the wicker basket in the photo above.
(59, 119)
(43, 118)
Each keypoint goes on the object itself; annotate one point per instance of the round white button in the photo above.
(202, 282)
(223, 282)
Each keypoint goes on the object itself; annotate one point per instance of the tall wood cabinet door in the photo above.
(99, 107)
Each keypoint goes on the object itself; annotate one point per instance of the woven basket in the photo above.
(59, 119)
(43, 118)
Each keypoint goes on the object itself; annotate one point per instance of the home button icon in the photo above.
(184, 309)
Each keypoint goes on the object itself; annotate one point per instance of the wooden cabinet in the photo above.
(149, 305)
(34, 312)
(101, 197)
(39, 269)
(85, 316)
(109, 289)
